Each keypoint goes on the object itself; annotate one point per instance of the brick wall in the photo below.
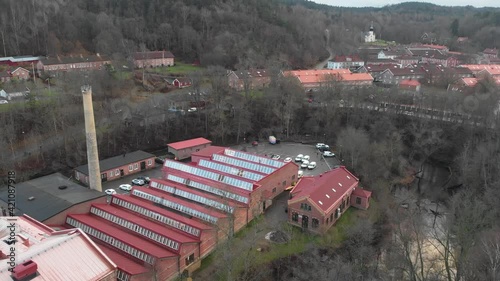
(208, 241)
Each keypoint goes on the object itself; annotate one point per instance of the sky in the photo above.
(381, 3)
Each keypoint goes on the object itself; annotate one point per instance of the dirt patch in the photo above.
(278, 237)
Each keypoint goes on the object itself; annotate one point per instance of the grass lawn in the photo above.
(179, 69)
(122, 75)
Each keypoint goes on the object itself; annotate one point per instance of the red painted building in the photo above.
(317, 202)
(184, 149)
(20, 73)
(410, 85)
(119, 166)
(182, 82)
(159, 231)
(61, 64)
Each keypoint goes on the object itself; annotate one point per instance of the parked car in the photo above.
(298, 158)
(304, 165)
(144, 178)
(159, 160)
(306, 158)
(318, 145)
(138, 182)
(288, 159)
(193, 109)
(3, 102)
(255, 143)
(110, 191)
(328, 154)
(275, 157)
(126, 187)
(300, 174)
(311, 165)
(324, 148)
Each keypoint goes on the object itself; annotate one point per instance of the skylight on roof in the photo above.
(327, 196)
(348, 177)
(340, 184)
(333, 189)
(320, 202)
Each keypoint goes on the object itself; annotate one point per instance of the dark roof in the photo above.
(425, 53)
(153, 55)
(354, 58)
(76, 59)
(49, 199)
(379, 67)
(117, 161)
(406, 71)
(251, 73)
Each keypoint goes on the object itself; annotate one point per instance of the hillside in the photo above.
(234, 33)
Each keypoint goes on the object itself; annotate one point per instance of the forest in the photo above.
(388, 152)
(230, 33)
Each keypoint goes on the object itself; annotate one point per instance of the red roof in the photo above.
(196, 192)
(123, 262)
(409, 82)
(152, 226)
(176, 217)
(209, 151)
(179, 201)
(325, 189)
(362, 192)
(125, 237)
(189, 143)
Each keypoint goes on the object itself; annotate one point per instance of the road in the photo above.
(322, 64)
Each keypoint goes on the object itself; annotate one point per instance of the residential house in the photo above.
(153, 59)
(119, 166)
(252, 79)
(317, 202)
(376, 69)
(410, 85)
(345, 62)
(20, 74)
(63, 64)
(476, 68)
(407, 60)
(356, 79)
(5, 76)
(15, 91)
(490, 53)
(183, 149)
(389, 54)
(396, 75)
(444, 60)
(182, 82)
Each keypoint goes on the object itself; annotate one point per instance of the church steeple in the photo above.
(371, 26)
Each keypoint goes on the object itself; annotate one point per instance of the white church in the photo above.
(370, 35)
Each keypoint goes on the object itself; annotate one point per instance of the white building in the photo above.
(370, 36)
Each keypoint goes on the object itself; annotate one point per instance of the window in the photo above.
(284, 183)
(326, 220)
(150, 162)
(331, 217)
(103, 176)
(111, 174)
(293, 177)
(190, 259)
(136, 166)
(315, 223)
(274, 190)
(117, 172)
(358, 200)
(295, 217)
(130, 168)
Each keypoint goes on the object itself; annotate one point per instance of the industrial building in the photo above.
(183, 149)
(42, 253)
(119, 166)
(162, 230)
(317, 202)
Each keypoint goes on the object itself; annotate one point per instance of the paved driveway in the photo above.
(153, 173)
(291, 150)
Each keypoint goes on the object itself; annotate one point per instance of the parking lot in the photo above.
(264, 149)
(292, 150)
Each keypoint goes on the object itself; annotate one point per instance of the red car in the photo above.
(255, 143)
